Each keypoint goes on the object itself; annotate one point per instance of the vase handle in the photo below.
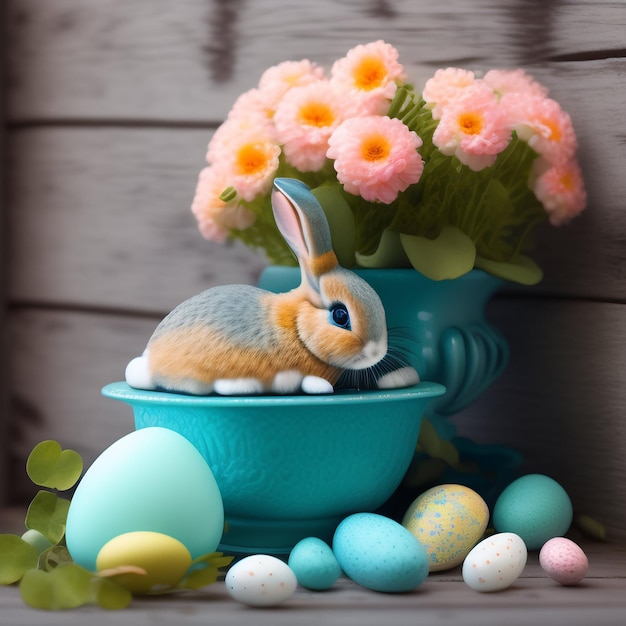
(472, 358)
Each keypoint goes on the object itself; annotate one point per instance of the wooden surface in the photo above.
(110, 107)
(444, 599)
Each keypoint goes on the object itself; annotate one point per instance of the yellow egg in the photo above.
(164, 559)
(448, 520)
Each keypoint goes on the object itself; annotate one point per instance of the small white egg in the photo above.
(261, 580)
(495, 563)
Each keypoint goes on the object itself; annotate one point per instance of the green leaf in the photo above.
(217, 559)
(340, 220)
(199, 578)
(450, 255)
(524, 270)
(50, 466)
(66, 587)
(205, 570)
(16, 558)
(47, 513)
(110, 595)
(390, 253)
(590, 526)
(55, 556)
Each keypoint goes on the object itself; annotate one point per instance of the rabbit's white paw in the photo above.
(403, 377)
(316, 385)
(237, 386)
(286, 382)
(138, 373)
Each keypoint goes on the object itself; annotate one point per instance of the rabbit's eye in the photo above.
(339, 315)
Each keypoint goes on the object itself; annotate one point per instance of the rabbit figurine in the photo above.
(239, 339)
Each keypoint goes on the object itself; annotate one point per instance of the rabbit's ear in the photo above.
(302, 222)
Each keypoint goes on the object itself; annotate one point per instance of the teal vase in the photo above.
(439, 325)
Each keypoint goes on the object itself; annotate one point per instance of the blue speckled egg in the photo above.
(152, 479)
(314, 564)
(380, 554)
(536, 508)
(448, 520)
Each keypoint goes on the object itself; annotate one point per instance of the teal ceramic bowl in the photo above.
(290, 467)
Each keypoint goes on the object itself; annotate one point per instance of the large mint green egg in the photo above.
(535, 507)
(152, 479)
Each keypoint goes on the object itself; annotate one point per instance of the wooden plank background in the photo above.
(4, 413)
(110, 107)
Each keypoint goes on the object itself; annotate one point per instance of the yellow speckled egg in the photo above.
(164, 560)
(448, 520)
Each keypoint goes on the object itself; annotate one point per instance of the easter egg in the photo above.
(563, 560)
(448, 521)
(535, 507)
(378, 553)
(164, 560)
(314, 564)
(260, 580)
(495, 563)
(152, 479)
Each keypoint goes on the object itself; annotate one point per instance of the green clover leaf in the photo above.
(205, 570)
(47, 514)
(110, 595)
(50, 466)
(18, 556)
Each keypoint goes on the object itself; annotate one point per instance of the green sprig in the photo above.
(39, 560)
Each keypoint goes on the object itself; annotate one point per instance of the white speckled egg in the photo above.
(535, 507)
(563, 560)
(261, 580)
(448, 521)
(314, 564)
(495, 563)
(380, 554)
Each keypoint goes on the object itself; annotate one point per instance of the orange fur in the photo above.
(323, 263)
(175, 355)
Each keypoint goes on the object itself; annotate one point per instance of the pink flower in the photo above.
(253, 103)
(543, 124)
(561, 191)
(370, 73)
(214, 216)
(246, 151)
(444, 87)
(304, 121)
(236, 129)
(473, 128)
(514, 81)
(276, 81)
(375, 157)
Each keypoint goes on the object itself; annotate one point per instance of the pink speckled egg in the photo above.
(563, 560)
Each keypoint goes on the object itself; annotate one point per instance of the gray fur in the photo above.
(232, 310)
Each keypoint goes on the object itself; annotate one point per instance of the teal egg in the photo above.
(380, 554)
(535, 507)
(314, 564)
(152, 479)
